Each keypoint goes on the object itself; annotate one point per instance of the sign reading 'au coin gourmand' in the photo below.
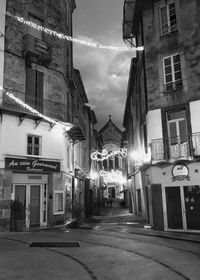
(18, 164)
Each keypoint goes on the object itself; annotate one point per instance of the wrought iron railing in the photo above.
(174, 148)
(47, 107)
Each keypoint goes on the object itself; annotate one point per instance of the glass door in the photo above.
(34, 205)
(174, 208)
(192, 206)
(20, 196)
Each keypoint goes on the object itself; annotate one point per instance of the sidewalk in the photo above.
(134, 224)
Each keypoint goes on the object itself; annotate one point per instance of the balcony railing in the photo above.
(48, 108)
(34, 47)
(173, 148)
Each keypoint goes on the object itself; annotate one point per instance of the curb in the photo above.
(152, 233)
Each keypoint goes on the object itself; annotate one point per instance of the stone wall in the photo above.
(185, 41)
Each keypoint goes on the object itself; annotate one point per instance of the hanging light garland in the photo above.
(112, 176)
(98, 156)
(67, 126)
(69, 38)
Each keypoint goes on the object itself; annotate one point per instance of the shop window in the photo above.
(58, 202)
(172, 73)
(168, 18)
(34, 145)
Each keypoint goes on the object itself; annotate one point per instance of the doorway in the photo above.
(31, 197)
(182, 207)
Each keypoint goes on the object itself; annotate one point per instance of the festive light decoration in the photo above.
(66, 126)
(69, 38)
(98, 156)
(112, 176)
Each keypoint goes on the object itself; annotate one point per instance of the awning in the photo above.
(76, 134)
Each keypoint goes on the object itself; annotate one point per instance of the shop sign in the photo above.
(18, 164)
(180, 172)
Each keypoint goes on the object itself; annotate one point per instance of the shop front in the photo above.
(30, 190)
(179, 199)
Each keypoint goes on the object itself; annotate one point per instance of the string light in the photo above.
(67, 126)
(98, 156)
(69, 38)
(112, 176)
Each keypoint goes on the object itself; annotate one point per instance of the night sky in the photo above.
(104, 72)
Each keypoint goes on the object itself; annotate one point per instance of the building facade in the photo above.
(111, 163)
(162, 112)
(42, 139)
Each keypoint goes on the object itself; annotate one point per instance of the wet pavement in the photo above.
(118, 218)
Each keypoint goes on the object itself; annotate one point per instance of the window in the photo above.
(34, 88)
(58, 202)
(172, 72)
(168, 19)
(116, 162)
(177, 126)
(178, 134)
(105, 165)
(34, 145)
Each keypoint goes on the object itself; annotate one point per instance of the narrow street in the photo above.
(105, 249)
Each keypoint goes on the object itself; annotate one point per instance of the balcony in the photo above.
(46, 107)
(36, 48)
(79, 131)
(173, 148)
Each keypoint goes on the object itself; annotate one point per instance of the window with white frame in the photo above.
(58, 202)
(177, 129)
(172, 72)
(168, 18)
(34, 145)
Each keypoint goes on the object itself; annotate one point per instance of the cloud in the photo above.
(105, 78)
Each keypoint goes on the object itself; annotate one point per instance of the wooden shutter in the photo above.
(30, 86)
(39, 90)
(157, 207)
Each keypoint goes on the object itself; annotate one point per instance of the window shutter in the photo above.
(173, 133)
(164, 20)
(183, 131)
(40, 89)
(30, 86)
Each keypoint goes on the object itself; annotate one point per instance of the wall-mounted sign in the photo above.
(180, 172)
(18, 164)
(78, 173)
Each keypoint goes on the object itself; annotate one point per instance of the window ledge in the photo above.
(168, 35)
(179, 90)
